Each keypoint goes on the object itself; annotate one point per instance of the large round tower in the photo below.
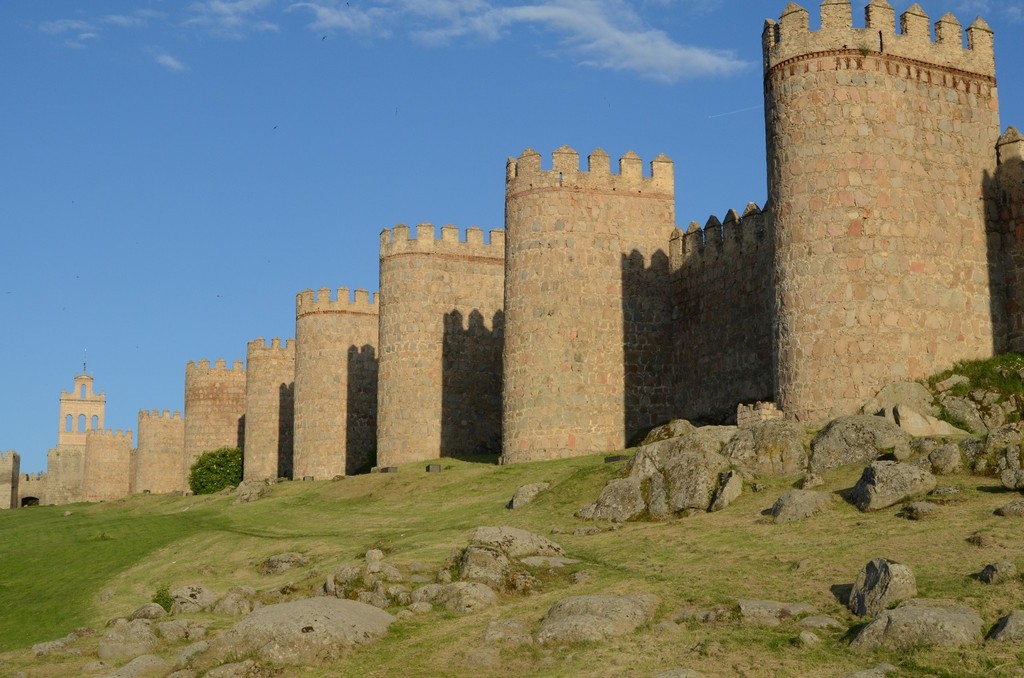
(578, 306)
(214, 409)
(269, 409)
(878, 146)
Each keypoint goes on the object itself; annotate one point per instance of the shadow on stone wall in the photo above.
(285, 430)
(647, 342)
(1004, 217)
(471, 386)
(241, 432)
(361, 417)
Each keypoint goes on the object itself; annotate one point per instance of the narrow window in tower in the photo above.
(81, 392)
(95, 422)
(69, 426)
(81, 423)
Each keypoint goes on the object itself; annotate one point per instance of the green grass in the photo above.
(62, 572)
(998, 374)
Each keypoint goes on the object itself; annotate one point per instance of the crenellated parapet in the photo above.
(259, 346)
(113, 435)
(790, 40)
(400, 240)
(219, 365)
(525, 173)
(361, 302)
(214, 409)
(729, 238)
(107, 465)
(166, 415)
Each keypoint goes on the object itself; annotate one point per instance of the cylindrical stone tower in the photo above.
(878, 146)
(10, 475)
(572, 302)
(269, 409)
(214, 409)
(440, 344)
(107, 464)
(335, 383)
(160, 450)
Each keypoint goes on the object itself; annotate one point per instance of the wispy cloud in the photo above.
(605, 34)
(231, 18)
(168, 62)
(61, 26)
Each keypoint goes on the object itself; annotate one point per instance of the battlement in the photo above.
(308, 302)
(525, 173)
(792, 37)
(110, 434)
(259, 345)
(398, 240)
(1010, 146)
(219, 365)
(34, 477)
(157, 414)
(9, 456)
(718, 238)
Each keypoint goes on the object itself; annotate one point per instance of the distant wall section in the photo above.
(160, 452)
(107, 467)
(10, 475)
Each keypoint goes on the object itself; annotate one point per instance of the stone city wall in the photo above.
(65, 470)
(335, 383)
(32, 489)
(10, 475)
(160, 452)
(269, 409)
(441, 328)
(107, 468)
(877, 147)
(723, 305)
(1006, 203)
(214, 409)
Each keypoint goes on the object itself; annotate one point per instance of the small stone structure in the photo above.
(748, 415)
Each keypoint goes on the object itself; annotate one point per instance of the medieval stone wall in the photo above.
(160, 451)
(10, 475)
(65, 470)
(107, 468)
(583, 299)
(441, 328)
(214, 409)
(1006, 205)
(269, 409)
(32, 489)
(335, 383)
(723, 307)
(877, 146)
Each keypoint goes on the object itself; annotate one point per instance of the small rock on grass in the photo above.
(997, 573)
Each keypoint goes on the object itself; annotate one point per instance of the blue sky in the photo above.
(175, 172)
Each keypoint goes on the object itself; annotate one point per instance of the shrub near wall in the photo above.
(216, 470)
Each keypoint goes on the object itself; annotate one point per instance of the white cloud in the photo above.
(604, 34)
(231, 18)
(65, 26)
(169, 62)
(81, 40)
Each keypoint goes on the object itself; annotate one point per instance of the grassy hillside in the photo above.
(105, 560)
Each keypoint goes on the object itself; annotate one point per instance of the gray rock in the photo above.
(769, 612)
(885, 483)
(509, 632)
(680, 673)
(920, 510)
(855, 440)
(237, 602)
(181, 629)
(516, 543)
(909, 393)
(880, 671)
(730, 487)
(880, 584)
(810, 481)
(799, 504)
(821, 621)
(145, 665)
(149, 611)
(192, 598)
(241, 669)
(308, 631)
(484, 564)
(997, 573)
(127, 640)
(1015, 509)
(252, 490)
(461, 596)
(770, 448)
(919, 623)
(620, 500)
(594, 618)
(951, 382)
(918, 424)
(525, 494)
(674, 429)
(963, 409)
(189, 652)
(421, 607)
(946, 460)
(1012, 479)
(1009, 629)
(282, 562)
(809, 639)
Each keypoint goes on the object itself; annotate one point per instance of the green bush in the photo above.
(213, 471)
(163, 597)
